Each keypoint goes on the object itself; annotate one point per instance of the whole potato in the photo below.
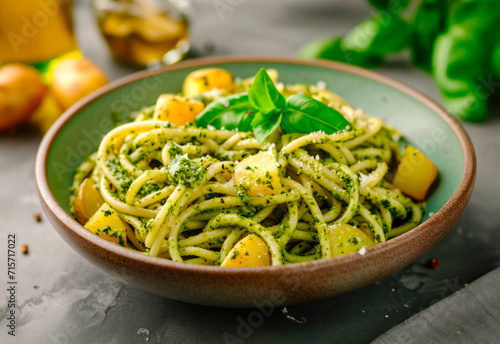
(21, 92)
(74, 78)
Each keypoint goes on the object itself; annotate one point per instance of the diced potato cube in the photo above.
(87, 202)
(107, 224)
(415, 174)
(251, 251)
(258, 174)
(177, 110)
(346, 239)
(206, 79)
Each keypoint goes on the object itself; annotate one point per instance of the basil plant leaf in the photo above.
(265, 124)
(232, 112)
(306, 115)
(264, 95)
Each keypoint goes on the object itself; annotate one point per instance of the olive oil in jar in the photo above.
(146, 32)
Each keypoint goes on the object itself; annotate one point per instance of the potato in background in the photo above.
(73, 79)
(21, 92)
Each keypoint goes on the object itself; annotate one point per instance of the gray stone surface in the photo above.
(472, 314)
(77, 303)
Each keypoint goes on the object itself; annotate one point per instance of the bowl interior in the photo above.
(418, 123)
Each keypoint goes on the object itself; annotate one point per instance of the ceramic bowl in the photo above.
(423, 123)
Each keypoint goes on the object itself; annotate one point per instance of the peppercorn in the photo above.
(434, 263)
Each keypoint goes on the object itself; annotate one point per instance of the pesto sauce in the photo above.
(183, 171)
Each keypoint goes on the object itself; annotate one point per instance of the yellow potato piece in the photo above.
(107, 224)
(258, 174)
(74, 78)
(177, 110)
(207, 79)
(87, 202)
(415, 174)
(251, 251)
(346, 239)
(21, 92)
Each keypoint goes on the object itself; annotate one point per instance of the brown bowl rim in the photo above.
(462, 193)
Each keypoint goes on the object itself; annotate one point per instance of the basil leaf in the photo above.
(306, 115)
(265, 124)
(263, 94)
(230, 112)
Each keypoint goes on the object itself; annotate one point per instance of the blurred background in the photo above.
(118, 37)
(453, 43)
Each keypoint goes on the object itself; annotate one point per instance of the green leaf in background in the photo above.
(234, 111)
(264, 95)
(265, 124)
(306, 115)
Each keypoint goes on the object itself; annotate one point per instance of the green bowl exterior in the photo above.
(422, 123)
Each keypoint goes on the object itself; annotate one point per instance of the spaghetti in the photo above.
(177, 188)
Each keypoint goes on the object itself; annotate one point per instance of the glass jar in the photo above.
(35, 31)
(145, 32)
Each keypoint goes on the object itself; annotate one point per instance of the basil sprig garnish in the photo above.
(263, 109)
(265, 124)
(234, 111)
(264, 95)
(306, 115)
